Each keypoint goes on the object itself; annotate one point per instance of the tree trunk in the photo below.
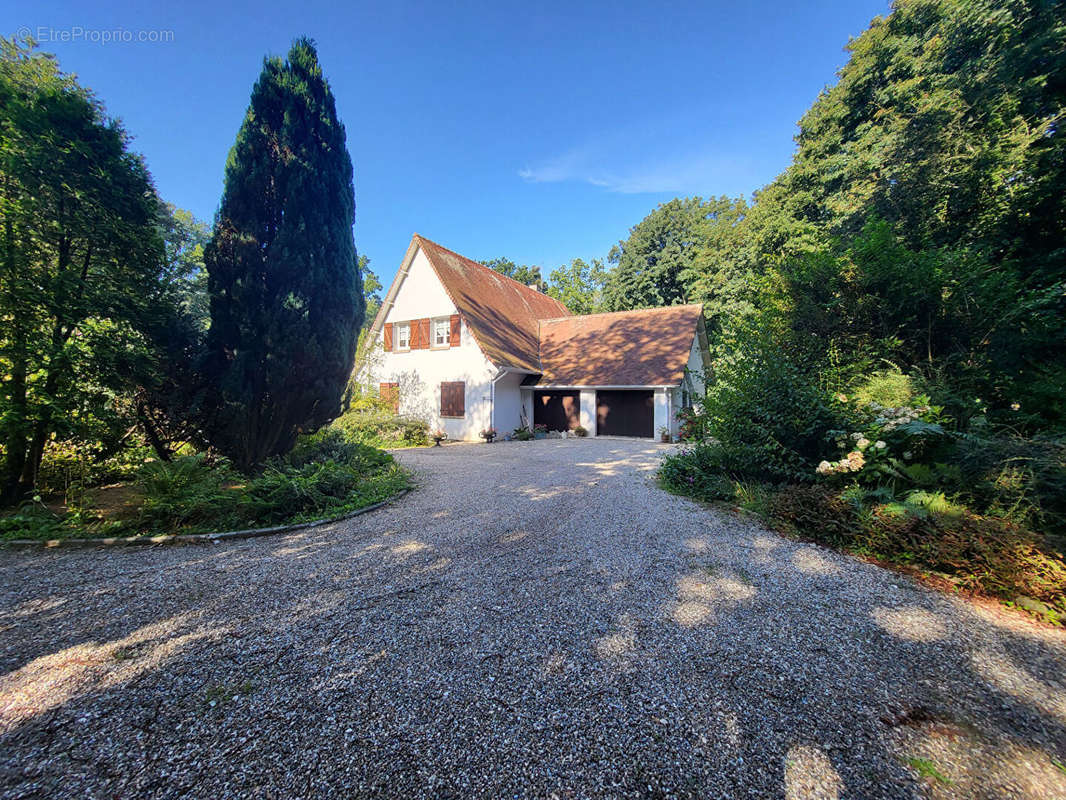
(151, 433)
(15, 436)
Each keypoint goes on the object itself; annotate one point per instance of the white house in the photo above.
(466, 348)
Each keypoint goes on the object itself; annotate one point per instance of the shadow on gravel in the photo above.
(490, 654)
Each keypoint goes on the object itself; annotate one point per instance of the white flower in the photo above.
(1015, 406)
(862, 443)
(908, 455)
(824, 468)
(856, 436)
(880, 445)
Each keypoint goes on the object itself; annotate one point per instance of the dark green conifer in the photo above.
(286, 295)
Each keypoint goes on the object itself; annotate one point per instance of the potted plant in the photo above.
(523, 434)
(438, 436)
(540, 431)
(580, 431)
(664, 434)
(488, 435)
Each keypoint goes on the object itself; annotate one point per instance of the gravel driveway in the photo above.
(537, 619)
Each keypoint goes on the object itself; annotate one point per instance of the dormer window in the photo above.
(403, 336)
(441, 332)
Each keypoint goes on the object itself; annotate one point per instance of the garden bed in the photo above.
(324, 478)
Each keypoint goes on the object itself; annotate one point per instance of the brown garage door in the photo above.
(625, 413)
(560, 411)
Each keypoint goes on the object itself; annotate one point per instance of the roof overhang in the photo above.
(539, 386)
(394, 289)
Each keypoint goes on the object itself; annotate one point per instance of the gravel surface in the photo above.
(537, 619)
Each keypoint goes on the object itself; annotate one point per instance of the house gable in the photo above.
(420, 294)
(502, 314)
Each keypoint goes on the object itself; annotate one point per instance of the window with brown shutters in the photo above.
(390, 393)
(453, 399)
(456, 330)
(388, 337)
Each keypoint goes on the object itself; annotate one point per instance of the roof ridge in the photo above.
(624, 311)
(490, 269)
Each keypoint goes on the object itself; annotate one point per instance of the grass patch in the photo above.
(221, 693)
(927, 769)
(326, 475)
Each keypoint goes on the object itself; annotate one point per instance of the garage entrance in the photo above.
(559, 410)
(626, 412)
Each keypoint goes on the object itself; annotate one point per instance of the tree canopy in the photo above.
(82, 260)
(579, 286)
(530, 276)
(921, 221)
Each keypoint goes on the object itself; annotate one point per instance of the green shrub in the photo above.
(375, 427)
(278, 494)
(522, 434)
(188, 491)
(332, 444)
(818, 513)
(767, 409)
(581, 431)
(706, 471)
(34, 521)
(1019, 479)
(889, 388)
(692, 424)
(753, 497)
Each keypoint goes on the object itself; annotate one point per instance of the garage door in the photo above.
(560, 411)
(625, 413)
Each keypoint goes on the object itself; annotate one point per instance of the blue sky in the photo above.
(537, 131)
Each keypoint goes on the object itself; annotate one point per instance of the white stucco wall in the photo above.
(421, 293)
(663, 411)
(421, 372)
(588, 410)
(696, 378)
(507, 413)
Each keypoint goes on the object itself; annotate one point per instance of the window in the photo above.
(390, 393)
(403, 335)
(453, 399)
(441, 332)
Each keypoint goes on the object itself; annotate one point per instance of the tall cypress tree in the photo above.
(283, 277)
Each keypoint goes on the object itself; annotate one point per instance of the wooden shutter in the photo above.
(423, 334)
(390, 393)
(388, 337)
(453, 399)
(456, 331)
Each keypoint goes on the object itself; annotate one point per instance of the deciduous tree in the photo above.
(81, 257)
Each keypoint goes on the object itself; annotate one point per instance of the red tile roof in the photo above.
(646, 347)
(502, 314)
